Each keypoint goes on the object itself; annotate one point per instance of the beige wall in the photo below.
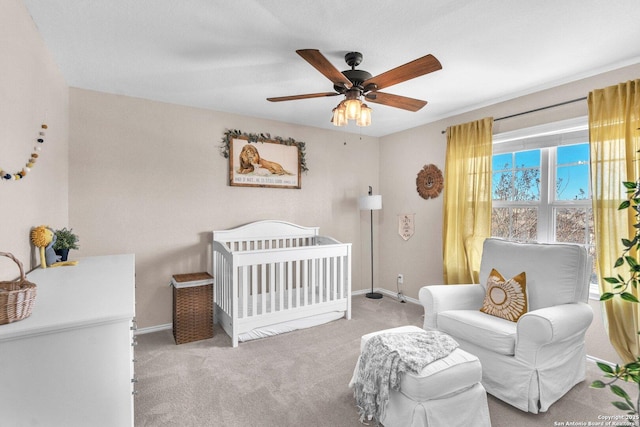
(148, 178)
(403, 155)
(32, 91)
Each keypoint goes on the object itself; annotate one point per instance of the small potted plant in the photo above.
(65, 240)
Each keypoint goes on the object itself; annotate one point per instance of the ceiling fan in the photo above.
(360, 83)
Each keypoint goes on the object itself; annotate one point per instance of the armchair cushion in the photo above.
(556, 273)
(490, 332)
(506, 298)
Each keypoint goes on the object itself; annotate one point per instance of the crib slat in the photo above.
(219, 281)
(263, 289)
(341, 278)
(314, 280)
(281, 288)
(289, 285)
(225, 287)
(304, 272)
(329, 278)
(244, 291)
(272, 286)
(334, 279)
(321, 282)
(254, 290)
(298, 281)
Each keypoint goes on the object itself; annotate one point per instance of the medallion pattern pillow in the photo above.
(506, 298)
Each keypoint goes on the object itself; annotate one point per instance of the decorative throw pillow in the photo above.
(505, 298)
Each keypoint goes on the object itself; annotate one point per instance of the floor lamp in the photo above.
(371, 203)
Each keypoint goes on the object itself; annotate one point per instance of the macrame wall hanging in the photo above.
(8, 176)
(429, 182)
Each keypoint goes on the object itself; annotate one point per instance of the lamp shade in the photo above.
(339, 118)
(364, 119)
(370, 203)
(352, 108)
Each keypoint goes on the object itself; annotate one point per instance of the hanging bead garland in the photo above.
(30, 163)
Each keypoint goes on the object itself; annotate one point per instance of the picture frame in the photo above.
(265, 163)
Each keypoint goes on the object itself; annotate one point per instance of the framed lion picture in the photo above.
(267, 163)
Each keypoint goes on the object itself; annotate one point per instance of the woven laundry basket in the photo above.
(192, 307)
(17, 296)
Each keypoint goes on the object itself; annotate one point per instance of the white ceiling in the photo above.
(231, 55)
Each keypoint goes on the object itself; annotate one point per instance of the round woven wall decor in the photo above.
(429, 182)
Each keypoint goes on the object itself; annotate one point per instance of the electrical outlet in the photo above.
(400, 278)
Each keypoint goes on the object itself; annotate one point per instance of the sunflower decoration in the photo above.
(429, 182)
(41, 237)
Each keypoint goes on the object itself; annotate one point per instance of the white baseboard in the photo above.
(388, 293)
(595, 359)
(156, 328)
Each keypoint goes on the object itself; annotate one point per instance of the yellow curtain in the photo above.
(467, 199)
(614, 119)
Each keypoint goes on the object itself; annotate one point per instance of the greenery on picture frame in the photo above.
(230, 134)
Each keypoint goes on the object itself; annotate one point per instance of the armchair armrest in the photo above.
(550, 325)
(437, 298)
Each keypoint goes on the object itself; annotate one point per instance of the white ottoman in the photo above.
(446, 392)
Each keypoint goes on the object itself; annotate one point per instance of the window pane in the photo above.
(572, 182)
(502, 162)
(500, 222)
(519, 180)
(525, 224)
(573, 153)
(502, 185)
(572, 172)
(520, 224)
(574, 225)
(528, 159)
(527, 185)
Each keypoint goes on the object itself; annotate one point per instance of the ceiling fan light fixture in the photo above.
(353, 107)
(339, 115)
(365, 116)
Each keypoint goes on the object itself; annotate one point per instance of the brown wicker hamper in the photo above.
(16, 296)
(192, 307)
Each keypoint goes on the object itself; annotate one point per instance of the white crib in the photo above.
(273, 276)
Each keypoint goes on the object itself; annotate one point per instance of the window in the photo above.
(541, 186)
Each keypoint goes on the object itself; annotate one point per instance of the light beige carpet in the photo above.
(300, 378)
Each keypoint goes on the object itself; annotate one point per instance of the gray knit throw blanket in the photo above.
(386, 357)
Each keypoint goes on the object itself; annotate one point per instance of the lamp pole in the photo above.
(372, 295)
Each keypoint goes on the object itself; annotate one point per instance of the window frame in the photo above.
(547, 138)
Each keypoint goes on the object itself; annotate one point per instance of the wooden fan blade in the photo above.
(396, 101)
(410, 70)
(322, 64)
(309, 95)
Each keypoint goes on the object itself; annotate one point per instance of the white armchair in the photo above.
(533, 362)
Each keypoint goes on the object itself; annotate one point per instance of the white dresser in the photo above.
(71, 362)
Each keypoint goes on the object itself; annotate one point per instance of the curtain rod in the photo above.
(537, 109)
